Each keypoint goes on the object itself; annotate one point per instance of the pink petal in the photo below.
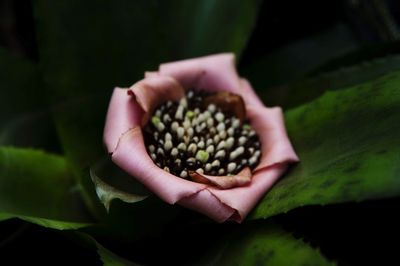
(224, 182)
(132, 157)
(206, 203)
(243, 199)
(123, 114)
(152, 91)
(212, 73)
(270, 127)
(248, 94)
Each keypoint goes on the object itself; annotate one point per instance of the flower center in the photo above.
(195, 135)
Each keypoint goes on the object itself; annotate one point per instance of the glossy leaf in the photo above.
(262, 245)
(348, 143)
(37, 187)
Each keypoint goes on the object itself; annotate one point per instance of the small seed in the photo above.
(231, 167)
(221, 171)
(208, 167)
(183, 102)
(174, 126)
(215, 163)
(212, 108)
(222, 134)
(158, 113)
(190, 94)
(230, 131)
(251, 150)
(201, 144)
(252, 160)
(168, 145)
(221, 127)
(174, 152)
(168, 136)
(179, 112)
(182, 146)
(220, 154)
(186, 124)
(200, 171)
(192, 148)
(202, 156)
(152, 148)
(169, 104)
(190, 114)
(229, 143)
(160, 151)
(219, 117)
(210, 122)
(166, 118)
(242, 140)
(235, 123)
(221, 145)
(153, 156)
(180, 131)
(216, 139)
(210, 149)
(166, 169)
(209, 142)
(183, 174)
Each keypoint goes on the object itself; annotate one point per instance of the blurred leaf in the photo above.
(298, 59)
(38, 187)
(94, 46)
(107, 192)
(261, 245)
(107, 257)
(306, 90)
(348, 143)
(24, 119)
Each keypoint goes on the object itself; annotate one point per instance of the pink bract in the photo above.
(130, 108)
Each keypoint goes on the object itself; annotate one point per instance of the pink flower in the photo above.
(129, 111)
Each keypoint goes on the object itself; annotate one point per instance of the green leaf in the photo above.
(262, 245)
(94, 46)
(106, 192)
(303, 91)
(348, 143)
(297, 59)
(108, 257)
(37, 187)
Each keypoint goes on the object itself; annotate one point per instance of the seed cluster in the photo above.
(187, 136)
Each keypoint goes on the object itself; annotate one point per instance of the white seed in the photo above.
(242, 140)
(230, 131)
(220, 154)
(152, 148)
(221, 171)
(183, 174)
(158, 113)
(178, 161)
(210, 149)
(174, 126)
(200, 171)
(252, 133)
(180, 131)
(251, 150)
(194, 121)
(201, 144)
(257, 153)
(190, 94)
(207, 114)
(235, 123)
(243, 161)
(190, 132)
(201, 118)
(219, 117)
(212, 130)
(166, 169)
(233, 155)
(160, 126)
(191, 160)
(166, 118)
(153, 156)
(160, 151)
(229, 143)
(215, 163)
(222, 134)
(231, 167)
(208, 167)
(168, 145)
(187, 124)
(169, 103)
(221, 145)
(196, 111)
(168, 136)
(174, 152)
(183, 102)
(192, 148)
(221, 127)
(252, 160)
(196, 139)
(210, 122)
(155, 135)
(179, 112)
(216, 139)
(182, 146)
(209, 142)
(212, 108)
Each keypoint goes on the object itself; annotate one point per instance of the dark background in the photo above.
(351, 234)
